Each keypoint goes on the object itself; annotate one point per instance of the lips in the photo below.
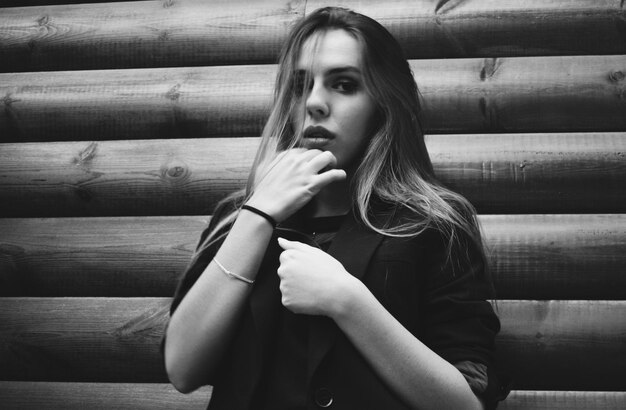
(318, 133)
(316, 138)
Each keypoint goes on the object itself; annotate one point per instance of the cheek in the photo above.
(364, 120)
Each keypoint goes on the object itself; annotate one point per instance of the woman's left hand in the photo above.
(311, 281)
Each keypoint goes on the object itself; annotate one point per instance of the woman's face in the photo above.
(333, 109)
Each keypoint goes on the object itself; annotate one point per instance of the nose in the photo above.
(316, 102)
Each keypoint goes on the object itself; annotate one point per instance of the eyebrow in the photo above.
(335, 70)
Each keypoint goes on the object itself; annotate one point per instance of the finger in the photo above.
(289, 153)
(280, 155)
(266, 166)
(281, 272)
(324, 159)
(326, 177)
(285, 256)
(309, 154)
(287, 244)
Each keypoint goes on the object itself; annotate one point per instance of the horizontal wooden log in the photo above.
(141, 256)
(122, 177)
(148, 396)
(556, 256)
(192, 33)
(560, 400)
(82, 339)
(144, 34)
(80, 396)
(499, 173)
(534, 173)
(532, 256)
(563, 345)
(535, 94)
(30, 3)
(117, 340)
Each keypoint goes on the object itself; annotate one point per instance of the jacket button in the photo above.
(323, 397)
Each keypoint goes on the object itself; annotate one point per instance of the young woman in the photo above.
(345, 275)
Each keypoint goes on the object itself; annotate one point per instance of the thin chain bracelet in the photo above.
(233, 274)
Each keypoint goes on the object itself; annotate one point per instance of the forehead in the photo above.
(333, 48)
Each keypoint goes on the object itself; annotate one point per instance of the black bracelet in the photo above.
(269, 219)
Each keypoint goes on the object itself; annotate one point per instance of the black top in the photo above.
(279, 358)
(284, 387)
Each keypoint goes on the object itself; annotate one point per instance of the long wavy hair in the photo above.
(395, 170)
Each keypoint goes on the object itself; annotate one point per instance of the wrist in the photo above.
(267, 207)
(253, 221)
(260, 213)
(349, 299)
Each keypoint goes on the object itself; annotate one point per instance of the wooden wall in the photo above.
(121, 125)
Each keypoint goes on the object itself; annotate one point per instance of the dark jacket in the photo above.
(437, 298)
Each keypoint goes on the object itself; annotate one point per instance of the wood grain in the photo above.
(80, 396)
(532, 256)
(150, 177)
(499, 173)
(570, 400)
(563, 345)
(557, 256)
(137, 256)
(192, 33)
(148, 396)
(533, 94)
(30, 3)
(144, 34)
(117, 340)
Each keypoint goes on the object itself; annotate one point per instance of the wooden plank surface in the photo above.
(192, 33)
(148, 396)
(117, 340)
(150, 177)
(499, 173)
(561, 400)
(534, 94)
(144, 34)
(563, 345)
(557, 256)
(532, 256)
(136, 256)
(99, 396)
(30, 3)
(82, 339)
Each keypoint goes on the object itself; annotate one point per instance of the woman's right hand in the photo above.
(292, 179)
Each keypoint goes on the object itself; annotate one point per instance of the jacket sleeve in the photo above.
(459, 321)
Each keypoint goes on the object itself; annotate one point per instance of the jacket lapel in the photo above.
(265, 300)
(353, 246)
(264, 303)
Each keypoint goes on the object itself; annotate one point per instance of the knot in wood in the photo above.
(175, 172)
(173, 93)
(617, 76)
(43, 20)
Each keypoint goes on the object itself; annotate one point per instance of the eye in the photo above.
(346, 85)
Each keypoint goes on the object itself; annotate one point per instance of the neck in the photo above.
(334, 199)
